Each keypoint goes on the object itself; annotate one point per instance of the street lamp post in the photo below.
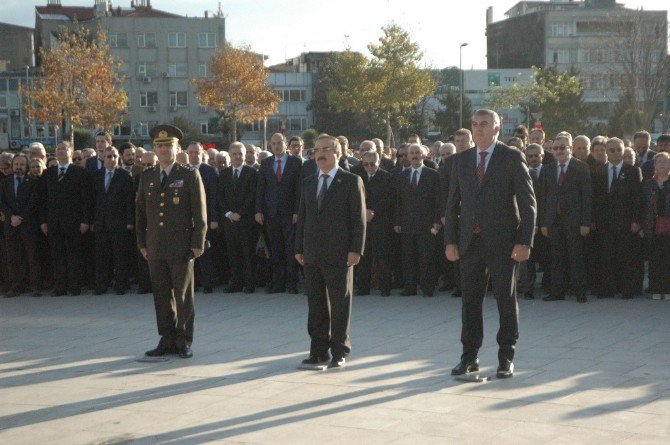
(460, 70)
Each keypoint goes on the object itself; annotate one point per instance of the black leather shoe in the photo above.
(581, 299)
(315, 360)
(362, 293)
(233, 289)
(505, 370)
(552, 298)
(529, 296)
(275, 290)
(465, 366)
(207, 290)
(159, 351)
(184, 352)
(10, 294)
(249, 290)
(446, 287)
(293, 290)
(337, 363)
(407, 293)
(36, 293)
(75, 292)
(456, 294)
(120, 292)
(386, 293)
(143, 290)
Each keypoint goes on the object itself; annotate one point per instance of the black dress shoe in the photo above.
(249, 290)
(143, 290)
(233, 289)
(159, 351)
(75, 292)
(184, 352)
(207, 290)
(337, 362)
(407, 293)
(581, 299)
(120, 292)
(386, 293)
(99, 291)
(627, 297)
(529, 296)
(456, 294)
(59, 293)
(362, 293)
(446, 287)
(465, 366)
(293, 290)
(36, 293)
(275, 290)
(315, 360)
(10, 294)
(428, 294)
(553, 298)
(505, 370)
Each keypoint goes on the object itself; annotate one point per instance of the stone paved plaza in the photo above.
(69, 374)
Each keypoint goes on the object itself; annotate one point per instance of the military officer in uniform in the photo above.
(171, 219)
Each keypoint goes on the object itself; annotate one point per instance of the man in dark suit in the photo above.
(642, 141)
(385, 163)
(20, 204)
(619, 213)
(68, 218)
(489, 225)
(277, 202)
(237, 203)
(380, 202)
(565, 205)
(451, 274)
(103, 140)
(113, 221)
(350, 161)
(330, 237)
(417, 220)
(171, 221)
(210, 179)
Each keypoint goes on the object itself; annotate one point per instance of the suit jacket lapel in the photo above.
(494, 164)
(329, 190)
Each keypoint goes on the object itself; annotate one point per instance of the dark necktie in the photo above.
(415, 180)
(613, 176)
(561, 176)
(108, 180)
(278, 170)
(237, 175)
(481, 167)
(163, 179)
(322, 192)
(61, 173)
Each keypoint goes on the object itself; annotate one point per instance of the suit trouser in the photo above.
(20, 243)
(567, 256)
(476, 263)
(281, 233)
(143, 276)
(205, 262)
(172, 285)
(112, 259)
(659, 264)
(365, 268)
(329, 295)
(241, 247)
(418, 259)
(67, 258)
(617, 264)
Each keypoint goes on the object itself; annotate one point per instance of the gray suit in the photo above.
(486, 222)
(324, 237)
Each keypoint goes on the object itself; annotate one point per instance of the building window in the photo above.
(118, 40)
(148, 98)
(3, 100)
(206, 40)
(177, 70)
(146, 69)
(296, 124)
(146, 40)
(122, 130)
(176, 40)
(292, 95)
(203, 70)
(178, 99)
(204, 127)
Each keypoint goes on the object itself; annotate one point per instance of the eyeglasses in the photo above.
(112, 156)
(76, 159)
(369, 164)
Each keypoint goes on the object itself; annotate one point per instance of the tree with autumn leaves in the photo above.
(80, 84)
(237, 87)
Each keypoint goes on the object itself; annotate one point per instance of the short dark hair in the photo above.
(106, 134)
(296, 138)
(642, 134)
(125, 146)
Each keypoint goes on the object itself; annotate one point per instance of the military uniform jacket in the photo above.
(171, 220)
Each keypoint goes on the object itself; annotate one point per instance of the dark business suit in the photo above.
(503, 210)
(205, 263)
(24, 201)
(386, 164)
(94, 164)
(278, 201)
(541, 252)
(114, 212)
(564, 208)
(380, 198)
(239, 196)
(69, 204)
(618, 207)
(398, 177)
(417, 209)
(171, 220)
(451, 270)
(325, 236)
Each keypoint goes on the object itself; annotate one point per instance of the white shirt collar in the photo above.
(65, 166)
(167, 170)
(489, 149)
(618, 166)
(417, 169)
(330, 173)
(566, 163)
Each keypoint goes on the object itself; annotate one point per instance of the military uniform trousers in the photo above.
(172, 285)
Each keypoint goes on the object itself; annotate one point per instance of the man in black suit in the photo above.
(489, 226)
(451, 275)
(380, 201)
(619, 213)
(20, 204)
(350, 161)
(642, 141)
(113, 222)
(277, 202)
(330, 237)
(68, 217)
(103, 140)
(385, 163)
(565, 205)
(536, 136)
(210, 179)
(417, 220)
(237, 203)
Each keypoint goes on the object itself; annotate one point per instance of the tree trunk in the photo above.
(388, 128)
(234, 130)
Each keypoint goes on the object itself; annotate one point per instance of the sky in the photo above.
(282, 29)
